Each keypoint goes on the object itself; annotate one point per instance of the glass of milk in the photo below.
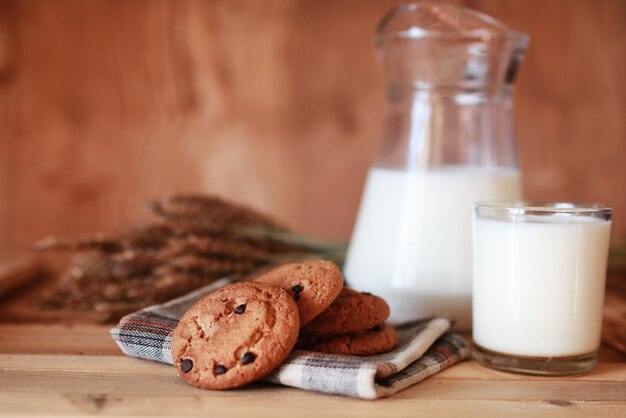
(539, 277)
(448, 141)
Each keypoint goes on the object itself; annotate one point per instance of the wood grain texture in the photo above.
(278, 104)
(39, 378)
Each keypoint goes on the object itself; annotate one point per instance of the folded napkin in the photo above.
(424, 349)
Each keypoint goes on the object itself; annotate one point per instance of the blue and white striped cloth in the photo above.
(425, 348)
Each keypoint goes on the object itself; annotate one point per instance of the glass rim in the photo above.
(536, 207)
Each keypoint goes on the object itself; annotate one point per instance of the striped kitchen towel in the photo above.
(425, 348)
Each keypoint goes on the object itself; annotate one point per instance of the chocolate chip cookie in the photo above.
(235, 335)
(379, 339)
(314, 285)
(349, 313)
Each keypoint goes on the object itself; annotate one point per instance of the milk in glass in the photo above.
(539, 284)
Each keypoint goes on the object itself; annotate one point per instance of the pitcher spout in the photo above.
(428, 45)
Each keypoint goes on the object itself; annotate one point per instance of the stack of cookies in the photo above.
(333, 318)
(240, 333)
(353, 324)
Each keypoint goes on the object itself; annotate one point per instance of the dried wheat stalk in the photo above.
(194, 240)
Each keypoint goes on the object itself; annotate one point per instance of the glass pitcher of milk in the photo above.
(448, 141)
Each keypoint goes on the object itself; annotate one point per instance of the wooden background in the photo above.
(278, 104)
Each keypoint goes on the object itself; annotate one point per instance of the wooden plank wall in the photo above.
(104, 104)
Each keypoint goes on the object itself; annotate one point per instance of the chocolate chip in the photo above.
(248, 358)
(377, 328)
(296, 297)
(186, 365)
(240, 309)
(219, 369)
(366, 293)
(297, 288)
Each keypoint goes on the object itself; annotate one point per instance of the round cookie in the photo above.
(380, 339)
(235, 335)
(351, 312)
(314, 285)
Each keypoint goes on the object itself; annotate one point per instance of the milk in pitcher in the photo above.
(412, 242)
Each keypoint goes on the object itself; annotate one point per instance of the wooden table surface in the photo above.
(56, 370)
